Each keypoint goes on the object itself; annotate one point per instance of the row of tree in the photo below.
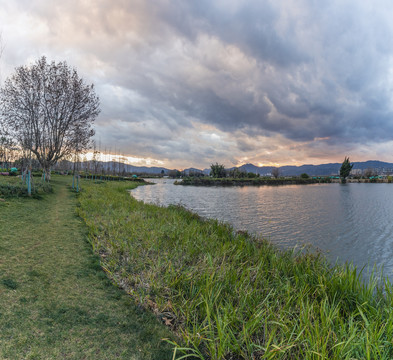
(219, 171)
(47, 112)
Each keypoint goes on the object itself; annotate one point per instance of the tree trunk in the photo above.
(46, 173)
(29, 182)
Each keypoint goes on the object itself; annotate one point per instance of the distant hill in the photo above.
(322, 170)
(192, 171)
(312, 170)
(113, 166)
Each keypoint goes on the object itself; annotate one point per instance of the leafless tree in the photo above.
(369, 172)
(95, 159)
(49, 110)
(1, 49)
(5, 141)
(3, 149)
(276, 172)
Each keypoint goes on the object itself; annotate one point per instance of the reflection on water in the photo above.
(351, 222)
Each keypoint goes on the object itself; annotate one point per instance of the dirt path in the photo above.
(55, 301)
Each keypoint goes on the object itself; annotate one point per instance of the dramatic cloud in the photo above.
(189, 83)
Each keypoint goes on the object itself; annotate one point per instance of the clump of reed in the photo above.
(228, 295)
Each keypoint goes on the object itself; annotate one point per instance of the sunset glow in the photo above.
(285, 84)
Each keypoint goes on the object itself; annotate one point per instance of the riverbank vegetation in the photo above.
(56, 301)
(229, 295)
(219, 176)
(228, 181)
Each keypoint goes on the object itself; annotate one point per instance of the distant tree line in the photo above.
(218, 171)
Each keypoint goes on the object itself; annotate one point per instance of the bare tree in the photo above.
(276, 172)
(369, 172)
(5, 140)
(95, 159)
(1, 49)
(49, 110)
(6, 147)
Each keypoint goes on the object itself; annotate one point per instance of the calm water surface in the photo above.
(352, 222)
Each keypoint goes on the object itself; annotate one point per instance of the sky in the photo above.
(186, 83)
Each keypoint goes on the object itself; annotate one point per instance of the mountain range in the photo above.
(321, 170)
(288, 170)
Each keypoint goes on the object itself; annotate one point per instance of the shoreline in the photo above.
(215, 286)
(247, 182)
(205, 181)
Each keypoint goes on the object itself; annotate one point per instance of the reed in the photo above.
(229, 295)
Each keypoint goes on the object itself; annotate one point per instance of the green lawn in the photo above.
(55, 300)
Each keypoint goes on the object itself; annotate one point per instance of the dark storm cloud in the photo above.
(251, 26)
(315, 92)
(170, 73)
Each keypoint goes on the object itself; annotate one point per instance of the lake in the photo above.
(351, 222)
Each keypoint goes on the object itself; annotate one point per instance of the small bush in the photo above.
(12, 189)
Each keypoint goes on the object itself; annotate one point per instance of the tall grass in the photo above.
(229, 295)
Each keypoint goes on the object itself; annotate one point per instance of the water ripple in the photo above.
(351, 223)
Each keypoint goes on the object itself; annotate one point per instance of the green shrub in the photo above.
(18, 189)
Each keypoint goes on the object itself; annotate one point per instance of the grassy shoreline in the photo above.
(229, 295)
(207, 181)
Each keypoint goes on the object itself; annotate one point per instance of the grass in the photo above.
(230, 296)
(56, 302)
